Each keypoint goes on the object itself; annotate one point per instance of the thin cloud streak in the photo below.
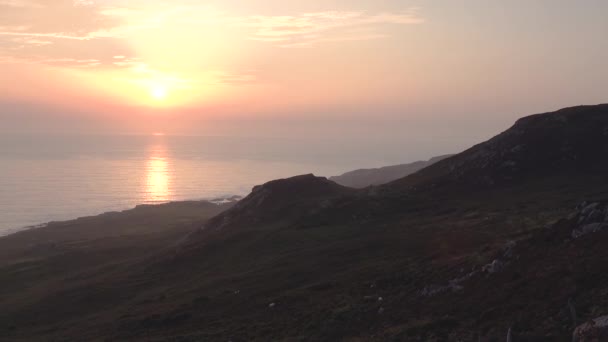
(284, 30)
(307, 28)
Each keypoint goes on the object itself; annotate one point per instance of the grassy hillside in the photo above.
(461, 251)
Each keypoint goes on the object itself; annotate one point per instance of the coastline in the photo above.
(11, 231)
(218, 201)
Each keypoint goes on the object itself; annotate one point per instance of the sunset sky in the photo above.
(461, 68)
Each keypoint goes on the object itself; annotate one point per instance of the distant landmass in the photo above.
(365, 177)
(504, 241)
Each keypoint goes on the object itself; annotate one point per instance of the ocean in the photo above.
(47, 178)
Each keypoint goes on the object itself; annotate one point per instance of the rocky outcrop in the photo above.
(570, 141)
(596, 330)
(283, 199)
(457, 284)
(590, 218)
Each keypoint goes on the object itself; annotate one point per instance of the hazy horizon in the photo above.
(60, 177)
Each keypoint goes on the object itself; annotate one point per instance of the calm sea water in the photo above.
(49, 178)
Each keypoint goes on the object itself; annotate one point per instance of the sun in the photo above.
(159, 92)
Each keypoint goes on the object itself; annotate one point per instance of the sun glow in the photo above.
(146, 87)
(159, 92)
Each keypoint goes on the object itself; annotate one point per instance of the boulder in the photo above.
(595, 330)
(589, 208)
(588, 229)
(493, 267)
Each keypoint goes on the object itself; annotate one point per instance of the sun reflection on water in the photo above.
(158, 176)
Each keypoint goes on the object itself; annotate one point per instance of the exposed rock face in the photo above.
(493, 267)
(590, 218)
(595, 330)
(366, 177)
(457, 284)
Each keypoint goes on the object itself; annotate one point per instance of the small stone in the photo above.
(493, 267)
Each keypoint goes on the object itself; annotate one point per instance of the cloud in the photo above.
(64, 19)
(24, 42)
(306, 29)
(20, 3)
(83, 20)
(72, 62)
(64, 33)
(84, 3)
(86, 33)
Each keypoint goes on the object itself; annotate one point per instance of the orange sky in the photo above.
(137, 65)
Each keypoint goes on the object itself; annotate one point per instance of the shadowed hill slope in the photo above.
(488, 240)
(572, 140)
(281, 199)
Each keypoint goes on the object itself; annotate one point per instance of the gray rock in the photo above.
(581, 206)
(593, 330)
(588, 229)
(508, 249)
(493, 267)
(581, 219)
(588, 208)
(455, 287)
(432, 290)
(517, 148)
(595, 215)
